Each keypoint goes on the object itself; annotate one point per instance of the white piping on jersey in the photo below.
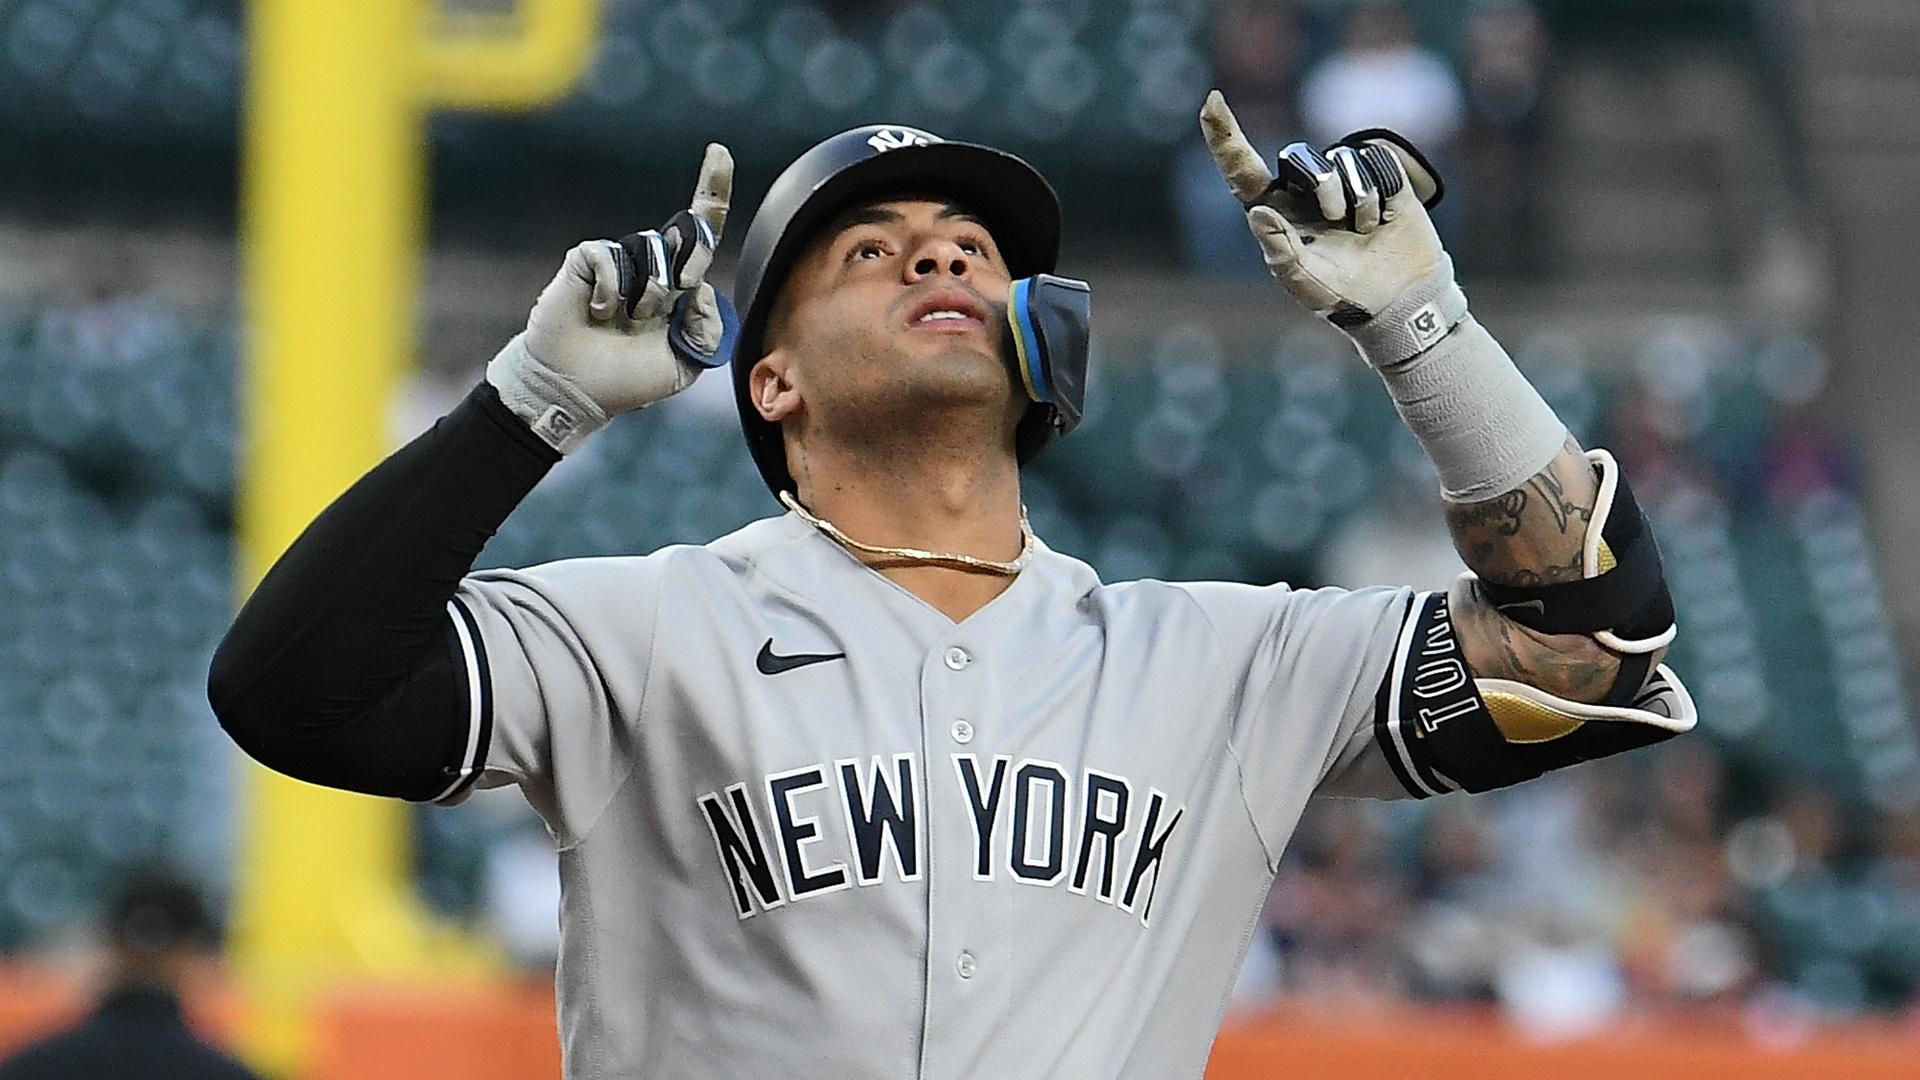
(967, 562)
(1420, 601)
(473, 702)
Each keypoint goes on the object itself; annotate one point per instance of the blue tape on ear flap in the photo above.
(1049, 317)
(722, 354)
(1028, 358)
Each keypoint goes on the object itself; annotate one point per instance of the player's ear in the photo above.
(771, 387)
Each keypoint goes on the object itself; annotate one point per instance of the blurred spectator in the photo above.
(1555, 908)
(1684, 941)
(1256, 53)
(1894, 878)
(1455, 939)
(1815, 825)
(1648, 428)
(1506, 61)
(1803, 459)
(1897, 852)
(1398, 539)
(1505, 55)
(158, 931)
(1382, 77)
(1335, 905)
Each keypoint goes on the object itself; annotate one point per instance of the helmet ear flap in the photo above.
(1036, 429)
(1049, 319)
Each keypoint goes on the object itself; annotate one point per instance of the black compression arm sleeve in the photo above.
(342, 669)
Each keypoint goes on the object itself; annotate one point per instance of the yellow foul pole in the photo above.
(333, 225)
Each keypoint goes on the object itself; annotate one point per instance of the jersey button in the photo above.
(958, 657)
(966, 965)
(962, 732)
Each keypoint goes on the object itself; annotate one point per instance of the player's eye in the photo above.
(866, 249)
(972, 245)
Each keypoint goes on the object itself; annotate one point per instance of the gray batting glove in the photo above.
(1347, 233)
(596, 342)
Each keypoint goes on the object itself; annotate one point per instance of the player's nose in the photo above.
(937, 255)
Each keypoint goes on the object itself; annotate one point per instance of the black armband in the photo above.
(1443, 729)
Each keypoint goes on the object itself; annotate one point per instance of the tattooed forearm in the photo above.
(1533, 534)
(1572, 666)
(1572, 570)
(1501, 515)
(1552, 493)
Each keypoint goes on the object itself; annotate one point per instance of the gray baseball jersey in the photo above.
(810, 826)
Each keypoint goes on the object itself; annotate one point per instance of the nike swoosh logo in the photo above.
(772, 663)
(1537, 605)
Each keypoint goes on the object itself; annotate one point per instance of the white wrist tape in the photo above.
(552, 405)
(1486, 429)
(1415, 321)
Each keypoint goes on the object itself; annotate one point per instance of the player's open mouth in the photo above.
(948, 311)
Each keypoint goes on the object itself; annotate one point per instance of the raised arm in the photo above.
(1563, 622)
(347, 666)
(344, 668)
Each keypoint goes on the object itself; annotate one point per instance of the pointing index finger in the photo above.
(714, 188)
(1239, 162)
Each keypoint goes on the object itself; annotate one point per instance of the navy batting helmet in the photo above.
(880, 161)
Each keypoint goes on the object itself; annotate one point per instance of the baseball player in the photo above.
(883, 786)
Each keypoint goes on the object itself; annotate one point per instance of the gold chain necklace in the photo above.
(966, 562)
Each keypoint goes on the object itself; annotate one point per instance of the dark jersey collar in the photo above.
(139, 1001)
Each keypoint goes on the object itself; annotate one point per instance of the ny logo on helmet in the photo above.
(894, 138)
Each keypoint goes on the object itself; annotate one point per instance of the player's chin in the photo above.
(974, 362)
(962, 370)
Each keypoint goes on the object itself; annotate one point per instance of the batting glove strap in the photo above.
(1416, 321)
(553, 405)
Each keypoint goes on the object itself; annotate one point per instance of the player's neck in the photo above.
(967, 507)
